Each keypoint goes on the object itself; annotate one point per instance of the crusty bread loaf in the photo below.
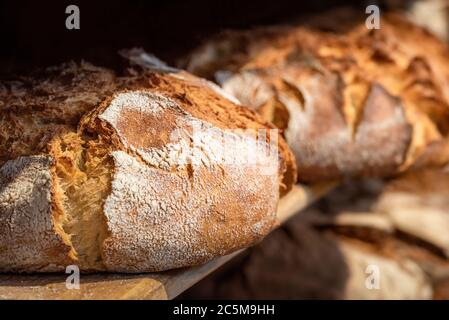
(354, 102)
(123, 174)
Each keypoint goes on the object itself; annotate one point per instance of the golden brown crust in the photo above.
(328, 140)
(274, 69)
(191, 92)
(134, 186)
(36, 108)
(173, 204)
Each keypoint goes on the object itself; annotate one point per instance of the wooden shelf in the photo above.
(164, 285)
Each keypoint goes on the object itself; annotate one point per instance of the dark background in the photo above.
(33, 33)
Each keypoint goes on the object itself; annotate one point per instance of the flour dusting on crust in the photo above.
(191, 141)
(160, 220)
(27, 232)
(137, 100)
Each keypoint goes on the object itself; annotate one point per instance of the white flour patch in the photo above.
(161, 220)
(27, 232)
(194, 142)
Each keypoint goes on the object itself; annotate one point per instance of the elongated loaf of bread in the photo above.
(137, 173)
(351, 103)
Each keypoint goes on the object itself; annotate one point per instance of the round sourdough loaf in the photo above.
(351, 101)
(131, 174)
